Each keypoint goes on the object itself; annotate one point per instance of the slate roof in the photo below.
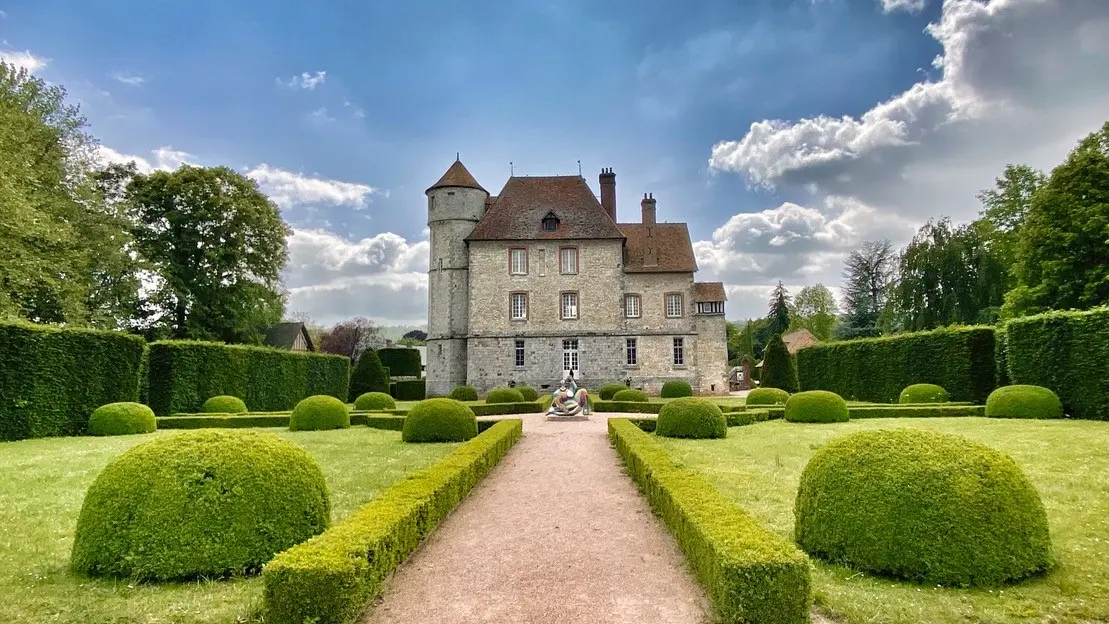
(709, 291)
(284, 335)
(518, 210)
(673, 249)
(457, 175)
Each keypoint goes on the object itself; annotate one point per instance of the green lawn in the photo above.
(44, 482)
(1068, 461)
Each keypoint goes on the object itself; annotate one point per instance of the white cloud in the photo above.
(289, 189)
(24, 59)
(305, 80)
(321, 116)
(910, 6)
(130, 79)
(164, 158)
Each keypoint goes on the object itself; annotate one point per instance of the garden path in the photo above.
(555, 533)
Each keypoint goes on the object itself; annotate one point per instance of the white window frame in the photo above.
(519, 354)
(566, 306)
(632, 311)
(674, 311)
(565, 255)
(518, 261)
(570, 354)
(631, 352)
(512, 311)
(678, 355)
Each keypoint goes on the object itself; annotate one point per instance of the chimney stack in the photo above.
(648, 206)
(608, 192)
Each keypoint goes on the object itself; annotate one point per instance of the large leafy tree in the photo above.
(216, 246)
(349, 337)
(1063, 254)
(867, 274)
(1004, 208)
(778, 318)
(815, 309)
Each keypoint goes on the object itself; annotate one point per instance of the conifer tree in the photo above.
(778, 370)
(369, 375)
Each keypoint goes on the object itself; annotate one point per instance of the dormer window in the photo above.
(550, 222)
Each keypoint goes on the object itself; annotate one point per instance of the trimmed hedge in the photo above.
(318, 413)
(676, 388)
(609, 390)
(749, 572)
(123, 418)
(767, 396)
(691, 417)
(914, 411)
(877, 369)
(464, 393)
(199, 504)
(368, 375)
(1023, 401)
(627, 407)
(529, 393)
(411, 389)
(630, 395)
(439, 420)
(51, 379)
(924, 506)
(401, 362)
(374, 401)
(330, 578)
(1066, 352)
(223, 421)
(224, 405)
(923, 393)
(184, 373)
(499, 409)
(816, 406)
(504, 395)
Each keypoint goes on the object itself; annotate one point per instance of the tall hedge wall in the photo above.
(52, 379)
(401, 362)
(183, 374)
(960, 360)
(1067, 352)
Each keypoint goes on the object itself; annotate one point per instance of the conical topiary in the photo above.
(778, 370)
(368, 375)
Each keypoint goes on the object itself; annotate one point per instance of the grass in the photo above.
(1068, 461)
(44, 485)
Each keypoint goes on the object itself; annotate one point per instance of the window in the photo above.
(550, 222)
(631, 306)
(570, 355)
(679, 351)
(518, 306)
(710, 307)
(518, 261)
(631, 357)
(568, 260)
(569, 305)
(519, 353)
(673, 305)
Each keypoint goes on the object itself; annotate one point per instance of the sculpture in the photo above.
(568, 399)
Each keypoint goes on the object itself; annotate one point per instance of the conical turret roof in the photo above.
(457, 175)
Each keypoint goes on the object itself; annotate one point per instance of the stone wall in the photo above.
(711, 354)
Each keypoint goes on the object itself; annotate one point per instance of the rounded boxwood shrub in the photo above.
(609, 390)
(123, 418)
(319, 412)
(464, 393)
(630, 394)
(528, 393)
(924, 506)
(676, 388)
(767, 396)
(224, 404)
(691, 417)
(205, 503)
(439, 420)
(374, 401)
(816, 406)
(504, 395)
(923, 393)
(1023, 401)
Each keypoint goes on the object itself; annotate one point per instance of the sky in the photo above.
(783, 132)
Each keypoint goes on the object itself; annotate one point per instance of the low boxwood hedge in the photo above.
(690, 417)
(504, 395)
(923, 393)
(439, 420)
(628, 407)
(915, 411)
(630, 395)
(370, 401)
(749, 572)
(816, 406)
(925, 506)
(609, 390)
(767, 396)
(122, 418)
(464, 393)
(500, 409)
(319, 412)
(224, 404)
(529, 393)
(676, 388)
(1023, 401)
(333, 576)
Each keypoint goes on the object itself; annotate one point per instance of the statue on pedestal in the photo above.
(568, 399)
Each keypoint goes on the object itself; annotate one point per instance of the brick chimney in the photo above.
(648, 206)
(608, 192)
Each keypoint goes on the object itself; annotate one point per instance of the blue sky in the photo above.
(346, 112)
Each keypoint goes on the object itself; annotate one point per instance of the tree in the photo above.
(778, 318)
(1063, 254)
(778, 370)
(369, 375)
(815, 309)
(415, 334)
(1004, 208)
(216, 246)
(349, 338)
(867, 274)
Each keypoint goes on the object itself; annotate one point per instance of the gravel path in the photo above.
(555, 533)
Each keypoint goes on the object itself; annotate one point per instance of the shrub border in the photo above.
(333, 576)
(750, 573)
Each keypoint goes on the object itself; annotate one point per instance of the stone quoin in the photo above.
(542, 278)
